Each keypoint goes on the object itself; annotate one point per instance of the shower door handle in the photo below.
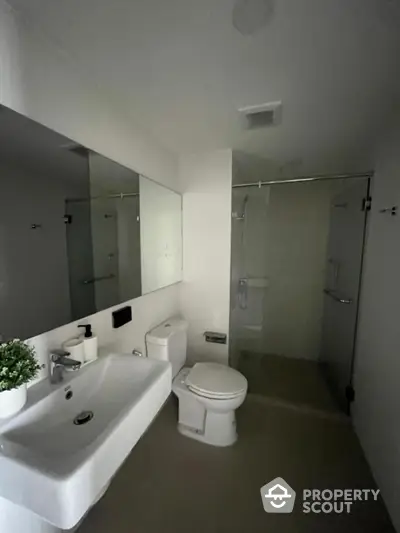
(337, 298)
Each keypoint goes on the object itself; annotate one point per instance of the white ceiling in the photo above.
(181, 70)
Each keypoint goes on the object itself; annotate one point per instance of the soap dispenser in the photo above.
(89, 342)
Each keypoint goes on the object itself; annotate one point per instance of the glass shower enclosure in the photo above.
(296, 256)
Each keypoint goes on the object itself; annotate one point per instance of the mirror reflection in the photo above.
(78, 232)
(160, 235)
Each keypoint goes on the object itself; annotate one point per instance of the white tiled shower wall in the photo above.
(40, 81)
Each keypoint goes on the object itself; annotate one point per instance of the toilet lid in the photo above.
(216, 380)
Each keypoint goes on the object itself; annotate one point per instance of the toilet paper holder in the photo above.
(215, 337)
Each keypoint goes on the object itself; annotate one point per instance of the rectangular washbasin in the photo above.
(60, 452)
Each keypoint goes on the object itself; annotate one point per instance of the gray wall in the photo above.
(80, 258)
(33, 263)
(376, 410)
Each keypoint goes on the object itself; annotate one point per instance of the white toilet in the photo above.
(208, 393)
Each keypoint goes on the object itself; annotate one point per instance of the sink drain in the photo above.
(83, 418)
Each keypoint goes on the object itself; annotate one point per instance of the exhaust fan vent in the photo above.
(261, 116)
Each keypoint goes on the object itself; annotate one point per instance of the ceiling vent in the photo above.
(261, 116)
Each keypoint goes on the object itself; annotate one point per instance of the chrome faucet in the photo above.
(59, 361)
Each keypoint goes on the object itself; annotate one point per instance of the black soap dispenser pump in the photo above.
(88, 330)
(89, 343)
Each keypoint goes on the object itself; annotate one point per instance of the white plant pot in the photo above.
(12, 401)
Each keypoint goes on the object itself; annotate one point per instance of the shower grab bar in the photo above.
(101, 278)
(337, 298)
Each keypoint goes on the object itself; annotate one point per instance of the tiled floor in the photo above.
(172, 484)
(294, 381)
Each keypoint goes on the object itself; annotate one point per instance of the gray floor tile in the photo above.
(174, 484)
(297, 381)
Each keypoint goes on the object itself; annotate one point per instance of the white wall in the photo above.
(206, 181)
(376, 411)
(147, 312)
(41, 82)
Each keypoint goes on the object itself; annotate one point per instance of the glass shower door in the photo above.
(342, 287)
(247, 270)
(296, 265)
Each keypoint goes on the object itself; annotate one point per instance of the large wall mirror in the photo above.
(78, 232)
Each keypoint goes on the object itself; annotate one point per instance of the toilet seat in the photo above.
(216, 381)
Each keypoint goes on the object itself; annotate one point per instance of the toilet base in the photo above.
(219, 429)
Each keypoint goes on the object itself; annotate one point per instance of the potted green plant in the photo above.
(18, 366)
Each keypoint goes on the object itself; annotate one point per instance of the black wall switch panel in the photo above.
(122, 316)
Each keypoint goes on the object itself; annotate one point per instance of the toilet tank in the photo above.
(168, 342)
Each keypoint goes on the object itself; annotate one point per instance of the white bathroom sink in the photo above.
(57, 469)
